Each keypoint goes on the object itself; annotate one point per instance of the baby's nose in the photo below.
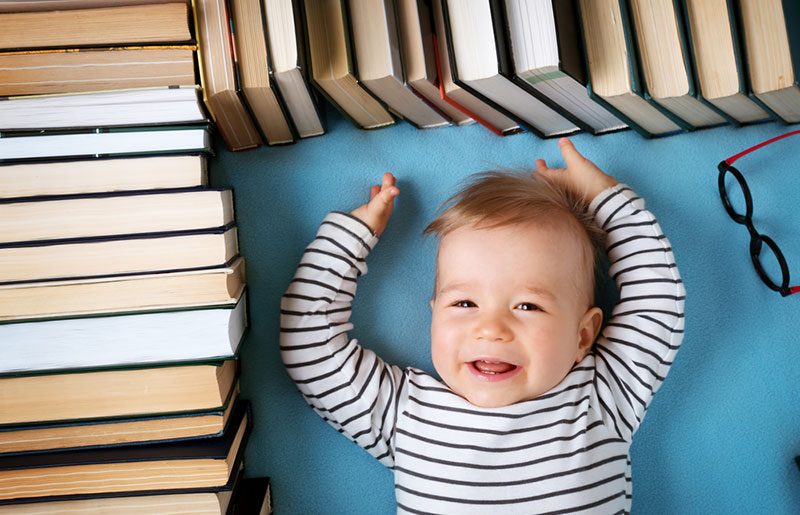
(492, 327)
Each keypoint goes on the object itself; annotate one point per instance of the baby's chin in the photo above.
(489, 404)
(490, 400)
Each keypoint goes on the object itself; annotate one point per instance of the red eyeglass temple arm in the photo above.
(794, 289)
(730, 160)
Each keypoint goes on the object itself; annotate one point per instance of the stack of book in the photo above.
(122, 291)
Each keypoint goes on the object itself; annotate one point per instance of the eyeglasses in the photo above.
(757, 240)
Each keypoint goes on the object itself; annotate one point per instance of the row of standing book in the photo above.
(550, 67)
(557, 67)
(123, 296)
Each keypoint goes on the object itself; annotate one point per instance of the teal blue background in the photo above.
(722, 433)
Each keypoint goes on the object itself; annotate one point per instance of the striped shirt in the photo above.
(566, 451)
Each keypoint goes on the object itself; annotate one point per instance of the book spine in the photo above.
(688, 45)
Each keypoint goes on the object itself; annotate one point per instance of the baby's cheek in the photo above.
(443, 360)
(438, 355)
(556, 360)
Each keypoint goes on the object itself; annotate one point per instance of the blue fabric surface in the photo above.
(721, 434)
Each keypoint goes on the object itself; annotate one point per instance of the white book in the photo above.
(99, 341)
(151, 106)
(145, 141)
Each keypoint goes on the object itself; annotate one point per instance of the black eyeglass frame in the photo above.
(756, 238)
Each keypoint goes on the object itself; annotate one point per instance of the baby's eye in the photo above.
(464, 304)
(527, 306)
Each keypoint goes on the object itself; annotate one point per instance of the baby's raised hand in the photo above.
(581, 175)
(377, 211)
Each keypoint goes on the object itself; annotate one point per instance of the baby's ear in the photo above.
(432, 301)
(588, 330)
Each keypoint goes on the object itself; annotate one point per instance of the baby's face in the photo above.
(508, 317)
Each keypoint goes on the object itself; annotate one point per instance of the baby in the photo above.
(533, 413)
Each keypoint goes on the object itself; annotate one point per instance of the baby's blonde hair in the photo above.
(511, 197)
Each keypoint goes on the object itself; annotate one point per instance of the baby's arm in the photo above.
(636, 349)
(350, 387)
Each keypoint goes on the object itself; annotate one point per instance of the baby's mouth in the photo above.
(493, 370)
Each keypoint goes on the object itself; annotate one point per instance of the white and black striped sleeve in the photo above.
(349, 386)
(637, 346)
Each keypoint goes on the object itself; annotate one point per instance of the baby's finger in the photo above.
(572, 157)
(374, 191)
(387, 180)
(383, 199)
(551, 173)
(386, 195)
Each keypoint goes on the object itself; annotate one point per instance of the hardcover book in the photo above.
(118, 25)
(114, 213)
(254, 497)
(106, 256)
(133, 107)
(205, 501)
(96, 69)
(202, 333)
(51, 436)
(17, 147)
(772, 53)
(122, 293)
(255, 74)
(12, 6)
(286, 48)
(84, 395)
(419, 57)
(98, 175)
